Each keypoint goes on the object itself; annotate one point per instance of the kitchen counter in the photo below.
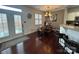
(75, 28)
(72, 42)
(71, 31)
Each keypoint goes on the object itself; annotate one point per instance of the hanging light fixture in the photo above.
(48, 12)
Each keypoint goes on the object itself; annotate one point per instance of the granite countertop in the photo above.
(75, 28)
(72, 32)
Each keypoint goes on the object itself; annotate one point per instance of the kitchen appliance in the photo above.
(76, 22)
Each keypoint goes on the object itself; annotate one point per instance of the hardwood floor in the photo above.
(38, 45)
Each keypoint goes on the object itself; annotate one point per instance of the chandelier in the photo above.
(48, 12)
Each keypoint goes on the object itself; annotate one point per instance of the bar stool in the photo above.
(61, 40)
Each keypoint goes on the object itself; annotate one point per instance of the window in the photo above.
(3, 25)
(18, 25)
(38, 19)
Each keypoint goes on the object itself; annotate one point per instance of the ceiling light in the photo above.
(10, 8)
(48, 12)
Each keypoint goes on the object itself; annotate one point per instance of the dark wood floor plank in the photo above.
(40, 45)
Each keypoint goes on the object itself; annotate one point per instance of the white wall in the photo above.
(29, 26)
(72, 12)
(60, 18)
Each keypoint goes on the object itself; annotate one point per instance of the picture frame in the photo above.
(29, 15)
(54, 17)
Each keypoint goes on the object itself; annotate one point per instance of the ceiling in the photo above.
(47, 7)
(50, 7)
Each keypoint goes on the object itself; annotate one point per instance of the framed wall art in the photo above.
(54, 17)
(29, 15)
